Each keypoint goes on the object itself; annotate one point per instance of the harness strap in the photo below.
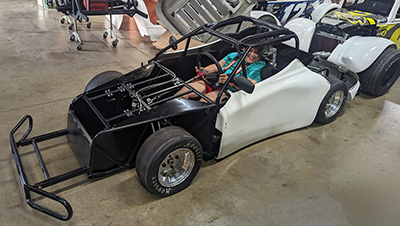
(231, 64)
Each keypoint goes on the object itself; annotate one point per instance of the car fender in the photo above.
(304, 29)
(285, 101)
(321, 10)
(258, 13)
(358, 53)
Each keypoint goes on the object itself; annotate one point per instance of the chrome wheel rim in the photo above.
(176, 167)
(334, 103)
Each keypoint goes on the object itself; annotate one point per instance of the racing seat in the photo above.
(225, 51)
(268, 71)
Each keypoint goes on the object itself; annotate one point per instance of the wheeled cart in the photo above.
(80, 10)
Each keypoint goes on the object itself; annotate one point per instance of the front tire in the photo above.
(382, 74)
(168, 161)
(333, 102)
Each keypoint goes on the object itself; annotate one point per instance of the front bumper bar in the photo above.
(48, 181)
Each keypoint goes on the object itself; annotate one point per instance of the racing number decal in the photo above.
(293, 8)
(392, 32)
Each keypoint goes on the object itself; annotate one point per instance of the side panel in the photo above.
(358, 53)
(121, 145)
(283, 102)
(80, 145)
(93, 144)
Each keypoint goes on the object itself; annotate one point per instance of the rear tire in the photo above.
(333, 102)
(382, 74)
(268, 18)
(168, 161)
(101, 79)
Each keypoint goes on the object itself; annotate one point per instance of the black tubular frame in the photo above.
(38, 187)
(107, 122)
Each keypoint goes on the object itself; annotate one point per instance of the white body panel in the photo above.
(304, 29)
(322, 9)
(286, 101)
(358, 53)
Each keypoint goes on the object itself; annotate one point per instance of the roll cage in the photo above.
(267, 34)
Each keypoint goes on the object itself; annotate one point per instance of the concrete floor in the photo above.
(344, 173)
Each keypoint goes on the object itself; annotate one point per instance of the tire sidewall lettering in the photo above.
(390, 65)
(159, 188)
(196, 150)
(166, 191)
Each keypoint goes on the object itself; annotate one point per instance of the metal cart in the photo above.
(80, 10)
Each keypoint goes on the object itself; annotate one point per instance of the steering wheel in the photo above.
(212, 78)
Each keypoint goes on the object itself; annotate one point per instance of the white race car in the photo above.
(138, 119)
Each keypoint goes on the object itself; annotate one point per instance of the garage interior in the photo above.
(343, 173)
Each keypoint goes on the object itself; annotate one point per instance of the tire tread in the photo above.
(370, 77)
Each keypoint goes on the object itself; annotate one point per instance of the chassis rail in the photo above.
(38, 187)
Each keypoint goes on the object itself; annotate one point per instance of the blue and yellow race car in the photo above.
(359, 35)
(381, 17)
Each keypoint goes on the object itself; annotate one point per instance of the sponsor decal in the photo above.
(354, 17)
(159, 188)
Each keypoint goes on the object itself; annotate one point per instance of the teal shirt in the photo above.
(253, 70)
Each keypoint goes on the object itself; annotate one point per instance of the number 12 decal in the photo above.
(293, 8)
